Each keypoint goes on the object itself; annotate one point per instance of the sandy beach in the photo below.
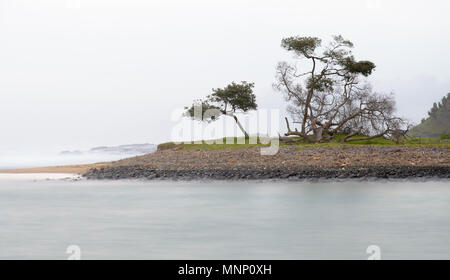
(68, 169)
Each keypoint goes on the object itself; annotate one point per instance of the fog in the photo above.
(17, 159)
(83, 73)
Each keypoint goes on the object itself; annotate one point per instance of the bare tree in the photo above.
(329, 99)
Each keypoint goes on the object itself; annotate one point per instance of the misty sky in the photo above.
(82, 73)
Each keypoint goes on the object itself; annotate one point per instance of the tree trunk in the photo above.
(296, 132)
(240, 127)
(351, 135)
(366, 138)
(318, 134)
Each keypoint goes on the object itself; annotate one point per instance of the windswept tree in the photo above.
(232, 99)
(329, 98)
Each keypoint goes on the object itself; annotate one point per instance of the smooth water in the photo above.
(223, 220)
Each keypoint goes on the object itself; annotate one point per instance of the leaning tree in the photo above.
(329, 98)
(232, 99)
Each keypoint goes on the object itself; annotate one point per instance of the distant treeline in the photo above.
(438, 122)
(439, 107)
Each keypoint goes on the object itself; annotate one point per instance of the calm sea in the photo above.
(222, 220)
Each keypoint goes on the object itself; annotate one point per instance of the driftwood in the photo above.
(398, 134)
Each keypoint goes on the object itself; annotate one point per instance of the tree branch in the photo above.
(368, 138)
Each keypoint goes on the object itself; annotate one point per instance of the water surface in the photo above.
(223, 220)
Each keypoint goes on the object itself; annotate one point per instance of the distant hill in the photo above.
(126, 150)
(438, 121)
(136, 149)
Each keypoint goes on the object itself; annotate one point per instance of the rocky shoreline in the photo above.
(292, 162)
(254, 173)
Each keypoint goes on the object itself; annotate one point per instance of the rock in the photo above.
(289, 163)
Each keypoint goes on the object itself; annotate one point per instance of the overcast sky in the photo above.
(82, 73)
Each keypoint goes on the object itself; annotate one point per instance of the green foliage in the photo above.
(322, 85)
(230, 99)
(206, 113)
(445, 136)
(381, 141)
(302, 46)
(363, 67)
(237, 97)
(338, 39)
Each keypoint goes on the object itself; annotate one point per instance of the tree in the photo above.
(433, 112)
(227, 101)
(329, 99)
(437, 107)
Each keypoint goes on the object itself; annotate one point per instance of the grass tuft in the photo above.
(242, 143)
